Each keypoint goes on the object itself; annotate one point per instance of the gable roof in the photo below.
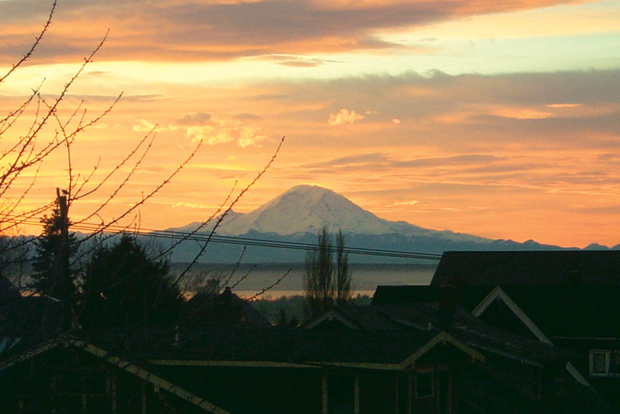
(123, 364)
(558, 310)
(429, 317)
(354, 317)
(302, 347)
(565, 293)
(570, 311)
(518, 268)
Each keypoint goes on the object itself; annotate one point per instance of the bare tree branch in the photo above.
(34, 45)
(274, 284)
(223, 215)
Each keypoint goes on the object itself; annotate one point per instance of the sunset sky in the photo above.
(495, 118)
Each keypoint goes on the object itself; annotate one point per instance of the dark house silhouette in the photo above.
(352, 360)
(26, 320)
(566, 298)
(429, 356)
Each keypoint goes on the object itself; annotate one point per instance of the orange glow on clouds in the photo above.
(520, 154)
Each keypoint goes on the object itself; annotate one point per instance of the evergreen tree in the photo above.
(53, 275)
(125, 287)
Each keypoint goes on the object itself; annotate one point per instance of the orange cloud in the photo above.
(198, 31)
(521, 113)
(344, 117)
(497, 150)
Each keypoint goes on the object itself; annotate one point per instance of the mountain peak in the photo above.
(310, 193)
(306, 187)
(301, 211)
(306, 209)
(307, 197)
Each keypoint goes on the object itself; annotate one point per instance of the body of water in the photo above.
(251, 279)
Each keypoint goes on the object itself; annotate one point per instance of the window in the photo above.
(604, 363)
(424, 384)
(428, 389)
(599, 363)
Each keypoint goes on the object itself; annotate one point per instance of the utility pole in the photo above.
(63, 224)
(64, 279)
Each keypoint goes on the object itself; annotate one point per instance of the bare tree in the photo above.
(319, 283)
(344, 289)
(22, 154)
(327, 283)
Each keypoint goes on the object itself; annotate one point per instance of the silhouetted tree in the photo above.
(125, 287)
(35, 129)
(323, 287)
(319, 281)
(344, 289)
(53, 274)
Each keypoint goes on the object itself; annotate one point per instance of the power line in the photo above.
(244, 241)
(301, 246)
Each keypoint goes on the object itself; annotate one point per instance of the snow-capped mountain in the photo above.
(307, 208)
(299, 213)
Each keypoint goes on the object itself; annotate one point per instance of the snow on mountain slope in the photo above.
(299, 213)
(306, 209)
